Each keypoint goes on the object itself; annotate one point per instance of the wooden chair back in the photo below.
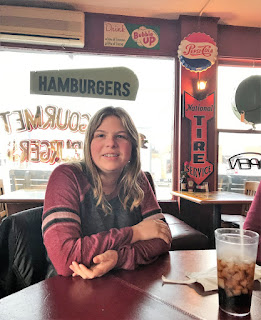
(250, 189)
(28, 179)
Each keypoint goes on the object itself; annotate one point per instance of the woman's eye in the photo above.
(100, 135)
(121, 136)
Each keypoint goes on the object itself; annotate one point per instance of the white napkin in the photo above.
(207, 278)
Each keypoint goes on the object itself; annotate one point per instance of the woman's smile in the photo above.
(110, 155)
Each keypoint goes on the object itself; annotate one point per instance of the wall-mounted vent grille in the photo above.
(42, 26)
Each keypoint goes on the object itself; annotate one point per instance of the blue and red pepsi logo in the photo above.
(197, 52)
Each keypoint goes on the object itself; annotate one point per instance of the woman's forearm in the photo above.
(141, 252)
(66, 245)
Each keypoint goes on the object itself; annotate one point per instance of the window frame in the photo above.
(244, 63)
(22, 49)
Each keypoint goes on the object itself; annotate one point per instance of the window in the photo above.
(29, 156)
(239, 144)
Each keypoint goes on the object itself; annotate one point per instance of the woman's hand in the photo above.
(103, 263)
(150, 229)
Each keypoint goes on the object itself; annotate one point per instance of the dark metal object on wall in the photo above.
(248, 100)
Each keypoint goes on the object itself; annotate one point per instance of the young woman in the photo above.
(101, 213)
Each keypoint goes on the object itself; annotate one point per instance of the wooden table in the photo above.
(128, 295)
(202, 210)
(23, 199)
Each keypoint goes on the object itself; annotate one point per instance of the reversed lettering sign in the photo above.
(199, 112)
(127, 35)
(42, 150)
(49, 117)
(118, 83)
(245, 161)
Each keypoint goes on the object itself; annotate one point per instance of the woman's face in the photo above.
(111, 146)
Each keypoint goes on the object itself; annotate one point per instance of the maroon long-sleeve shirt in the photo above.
(74, 229)
(253, 219)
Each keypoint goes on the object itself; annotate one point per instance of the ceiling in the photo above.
(230, 12)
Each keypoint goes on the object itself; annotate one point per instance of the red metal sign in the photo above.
(199, 112)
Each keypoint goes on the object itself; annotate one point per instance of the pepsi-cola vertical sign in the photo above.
(199, 112)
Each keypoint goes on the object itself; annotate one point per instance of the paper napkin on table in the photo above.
(207, 278)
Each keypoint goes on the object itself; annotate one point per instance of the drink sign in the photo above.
(129, 35)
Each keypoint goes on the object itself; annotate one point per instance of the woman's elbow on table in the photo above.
(64, 272)
(62, 267)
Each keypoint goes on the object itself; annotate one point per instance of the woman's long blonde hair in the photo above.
(130, 194)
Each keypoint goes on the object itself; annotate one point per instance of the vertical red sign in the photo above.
(199, 112)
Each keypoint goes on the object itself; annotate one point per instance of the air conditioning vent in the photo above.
(42, 26)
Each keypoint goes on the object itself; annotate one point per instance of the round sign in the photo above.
(248, 99)
(197, 52)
